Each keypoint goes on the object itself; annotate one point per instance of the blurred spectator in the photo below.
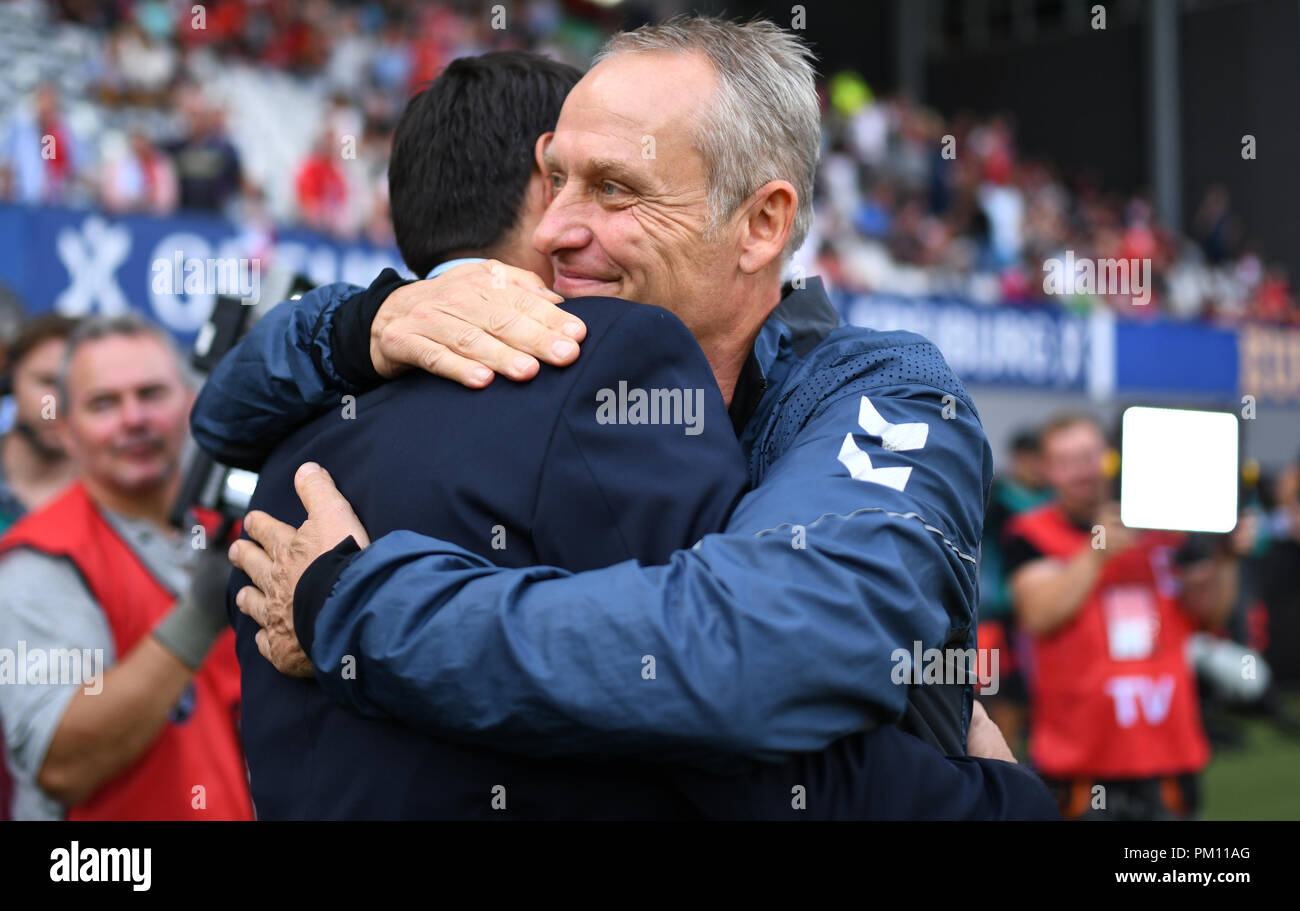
(1274, 302)
(1116, 728)
(1215, 226)
(371, 182)
(1002, 202)
(1020, 489)
(257, 234)
(142, 66)
(138, 177)
(322, 188)
(39, 159)
(391, 66)
(349, 51)
(207, 163)
(33, 464)
(1278, 580)
(98, 572)
(297, 41)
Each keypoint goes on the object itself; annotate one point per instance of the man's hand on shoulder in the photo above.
(472, 322)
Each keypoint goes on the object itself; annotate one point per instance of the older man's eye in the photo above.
(608, 189)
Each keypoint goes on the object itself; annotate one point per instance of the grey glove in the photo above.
(199, 617)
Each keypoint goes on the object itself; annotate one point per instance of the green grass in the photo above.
(1260, 780)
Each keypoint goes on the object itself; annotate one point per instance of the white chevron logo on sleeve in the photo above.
(893, 437)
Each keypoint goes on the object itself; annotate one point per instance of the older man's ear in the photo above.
(765, 225)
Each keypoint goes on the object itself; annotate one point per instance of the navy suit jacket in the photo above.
(534, 473)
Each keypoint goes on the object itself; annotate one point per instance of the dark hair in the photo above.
(37, 332)
(463, 152)
(1026, 442)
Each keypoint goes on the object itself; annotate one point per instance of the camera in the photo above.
(209, 485)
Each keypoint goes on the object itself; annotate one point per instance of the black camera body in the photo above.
(207, 484)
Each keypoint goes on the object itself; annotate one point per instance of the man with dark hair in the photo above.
(479, 119)
(1019, 489)
(33, 465)
(524, 475)
(459, 156)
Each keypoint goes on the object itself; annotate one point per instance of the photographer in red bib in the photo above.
(126, 693)
(1116, 727)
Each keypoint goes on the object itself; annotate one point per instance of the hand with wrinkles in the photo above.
(279, 554)
(473, 321)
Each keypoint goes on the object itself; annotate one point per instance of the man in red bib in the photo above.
(119, 689)
(1116, 726)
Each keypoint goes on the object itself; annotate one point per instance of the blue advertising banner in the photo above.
(171, 269)
(1001, 346)
(1179, 358)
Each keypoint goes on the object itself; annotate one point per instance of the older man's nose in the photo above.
(562, 227)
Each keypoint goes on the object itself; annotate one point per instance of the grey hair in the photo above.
(764, 122)
(94, 328)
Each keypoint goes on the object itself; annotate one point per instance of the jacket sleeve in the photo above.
(279, 376)
(786, 632)
(879, 774)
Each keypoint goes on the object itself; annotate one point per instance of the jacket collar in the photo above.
(799, 323)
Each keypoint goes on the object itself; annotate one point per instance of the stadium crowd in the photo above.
(913, 203)
(909, 201)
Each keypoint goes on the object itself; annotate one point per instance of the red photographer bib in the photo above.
(1114, 695)
(194, 769)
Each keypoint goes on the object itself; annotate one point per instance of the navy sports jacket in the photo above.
(536, 474)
